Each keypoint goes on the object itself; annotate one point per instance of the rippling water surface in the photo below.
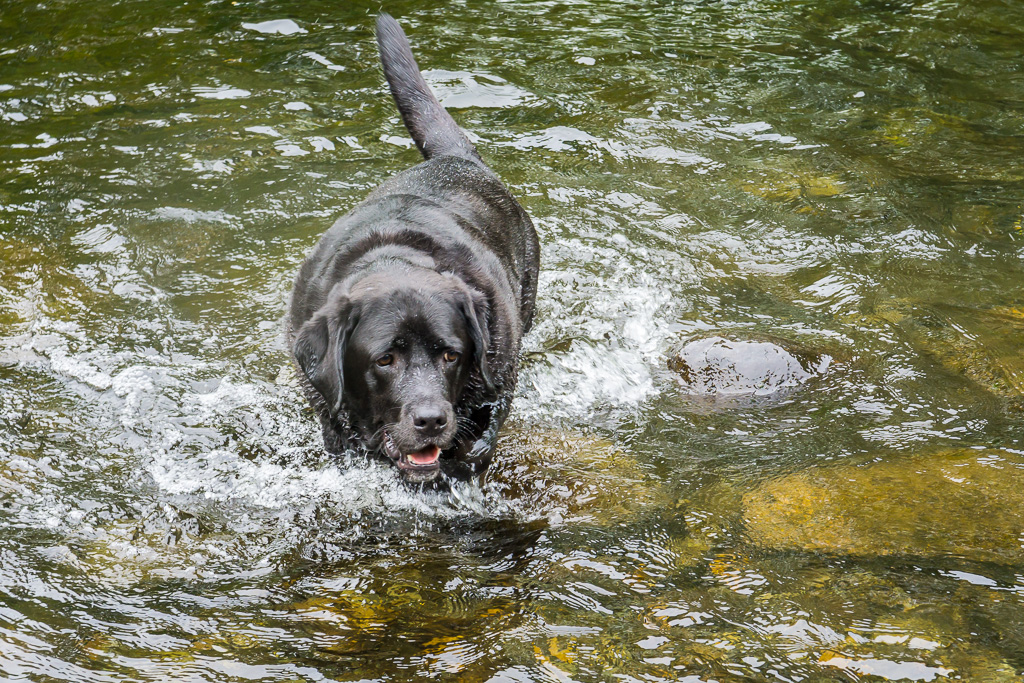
(769, 426)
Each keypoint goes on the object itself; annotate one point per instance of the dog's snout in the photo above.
(430, 419)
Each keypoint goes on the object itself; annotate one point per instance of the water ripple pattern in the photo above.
(769, 423)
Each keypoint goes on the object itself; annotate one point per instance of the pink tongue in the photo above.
(428, 456)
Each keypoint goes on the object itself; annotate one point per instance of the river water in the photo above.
(770, 424)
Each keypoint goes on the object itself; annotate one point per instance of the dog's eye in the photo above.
(451, 356)
(385, 360)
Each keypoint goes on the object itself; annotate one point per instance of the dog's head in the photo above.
(399, 354)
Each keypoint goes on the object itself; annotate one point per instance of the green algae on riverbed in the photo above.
(956, 504)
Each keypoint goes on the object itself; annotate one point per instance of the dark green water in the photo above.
(842, 180)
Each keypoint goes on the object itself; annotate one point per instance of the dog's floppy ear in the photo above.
(476, 312)
(320, 348)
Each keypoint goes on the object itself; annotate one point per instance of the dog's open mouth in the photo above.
(421, 465)
(424, 458)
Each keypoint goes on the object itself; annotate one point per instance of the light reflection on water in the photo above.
(835, 180)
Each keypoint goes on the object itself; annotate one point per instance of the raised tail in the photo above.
(432, 128)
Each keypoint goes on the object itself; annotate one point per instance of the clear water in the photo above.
(840, 179)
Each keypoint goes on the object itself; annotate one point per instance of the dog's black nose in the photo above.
(430, 418)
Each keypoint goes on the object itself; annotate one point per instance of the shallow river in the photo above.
(770, 424)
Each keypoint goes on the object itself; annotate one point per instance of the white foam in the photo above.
(609, 330)
(348, 485)
(587, 378)
(76, 367)
(133, 384)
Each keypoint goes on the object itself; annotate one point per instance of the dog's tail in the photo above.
(432, 128)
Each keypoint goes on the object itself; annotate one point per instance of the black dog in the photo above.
(406, 318)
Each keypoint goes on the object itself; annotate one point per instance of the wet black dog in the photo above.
(406, 318)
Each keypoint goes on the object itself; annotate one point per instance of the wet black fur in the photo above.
(438, 258)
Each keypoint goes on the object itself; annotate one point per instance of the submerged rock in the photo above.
(959, 503)
(570, 477)
(786, 186)
(716, 365)
(980, 344)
